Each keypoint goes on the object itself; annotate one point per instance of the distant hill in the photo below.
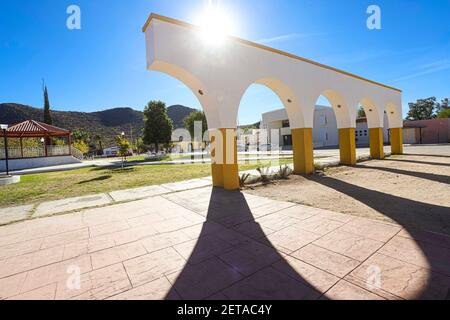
(177, 113)
(108, 123)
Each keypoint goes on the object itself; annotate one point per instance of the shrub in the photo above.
(284, 172)
(264, 174)
(243, 179)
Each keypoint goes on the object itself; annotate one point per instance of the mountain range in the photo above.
(107, 124)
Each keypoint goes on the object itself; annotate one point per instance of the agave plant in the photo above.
(264, 173)
(243, 179)
(284, 172)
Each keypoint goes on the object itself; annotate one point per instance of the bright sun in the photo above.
(215, 25)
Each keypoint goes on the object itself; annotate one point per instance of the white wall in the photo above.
(220, 75)
(29, 163)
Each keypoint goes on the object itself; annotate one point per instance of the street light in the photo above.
(4, 127)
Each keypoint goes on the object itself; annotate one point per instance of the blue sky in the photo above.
(103, 64)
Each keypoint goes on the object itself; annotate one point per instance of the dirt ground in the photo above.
(410, 189)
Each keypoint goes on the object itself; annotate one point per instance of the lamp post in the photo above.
(4, 127)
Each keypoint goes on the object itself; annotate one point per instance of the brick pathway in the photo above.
(213, 244)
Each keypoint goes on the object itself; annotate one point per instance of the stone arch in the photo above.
(342, 108)
(197, 87)
(374, 112)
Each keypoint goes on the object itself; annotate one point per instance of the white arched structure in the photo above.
(219, 76)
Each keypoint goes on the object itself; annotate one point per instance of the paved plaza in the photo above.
(207, 243)
(187, 240)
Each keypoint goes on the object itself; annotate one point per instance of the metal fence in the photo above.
(35, 152)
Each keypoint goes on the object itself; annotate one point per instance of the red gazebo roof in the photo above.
(34, 129)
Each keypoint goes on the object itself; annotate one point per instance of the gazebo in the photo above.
(36, 129)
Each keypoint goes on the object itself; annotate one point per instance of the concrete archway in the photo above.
(219, 76)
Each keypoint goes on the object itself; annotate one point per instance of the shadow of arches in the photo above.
(417, 174)
(225, 264)
(413, 216)
(421, 162)
(425, 155)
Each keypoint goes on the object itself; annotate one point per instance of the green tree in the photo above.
(98, 138)
(82, 146)
(80, 135)
(124, 147)
(194, 116)
(157, 125)
(361, 112)
(422, 109)
(442, 108)
(47, 113)
(444, 113)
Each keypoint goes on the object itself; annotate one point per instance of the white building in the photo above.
(325, 130)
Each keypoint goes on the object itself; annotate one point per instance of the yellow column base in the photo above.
(347, 146)
(216, 157)
(302, 145)
(376, 143)
(217, 175)
(230, 170)
(397, 141)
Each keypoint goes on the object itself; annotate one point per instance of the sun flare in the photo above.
(215, 24)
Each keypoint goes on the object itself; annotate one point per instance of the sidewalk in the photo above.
(25, 212)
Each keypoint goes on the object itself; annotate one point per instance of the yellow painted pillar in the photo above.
(217, 158)
(230, 166)
(302, 145)
(376, 143)
(397, 140)
(347, 146)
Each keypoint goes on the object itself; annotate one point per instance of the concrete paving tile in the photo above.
(69, 204)
(81, 247)
(154, 265)
(203, 248)
(11, 286)
(156, 290)
(299, 212)
(319, 225)
(253, 230)
(98, 284)
(277, 221)
(344, 290)
(349, 244)
(18, 249)
(188, 184)
(30, 261)
(56, 272)
(371, 229)
(138, 193)
(290, 239)
(306, 273)
(401, 279)
(134, 234)
(12, 214)
(422, 254)
(107, 257)
(44, 293)
(337, 216)
(247, 258)
(269, 208)
(426, 236)
(326, 260)
(164, 240)
(107, 228)
(204, 279)
(65, 238)
(270, 284)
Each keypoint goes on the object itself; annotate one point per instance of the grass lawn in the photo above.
(41, 187)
